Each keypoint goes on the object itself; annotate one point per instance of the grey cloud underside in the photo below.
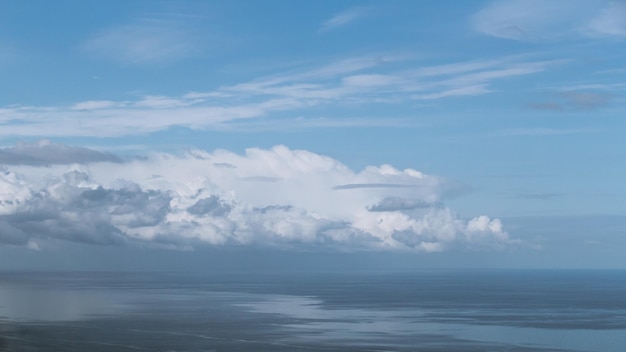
(398, 203)
(100, 216)
(195, 201)
(69, 212)
(48, 153)
(260, 179)
(371, 185)
(226, 165)
(71, 209)
(210, 206)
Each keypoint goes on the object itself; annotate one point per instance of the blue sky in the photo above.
(418, 127)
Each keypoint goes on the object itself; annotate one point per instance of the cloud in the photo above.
(537, 20)
(343, 18)
(399, 203)
(541, 131)
(300, 123)
(192, 200)
(540, 196)
(45, 152)
(545, 106)
(613, 71)
(371, 185)
(156, 102)
(478, 89)
(611, 21)
(571, 100)
(276, 101)
(585, 100)
(148, 40)
(522, 19)
(95, 105)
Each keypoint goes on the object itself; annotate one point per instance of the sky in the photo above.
(364, 134)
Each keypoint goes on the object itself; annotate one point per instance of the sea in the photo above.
(430, 310)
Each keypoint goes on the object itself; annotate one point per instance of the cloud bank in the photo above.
(271, 198)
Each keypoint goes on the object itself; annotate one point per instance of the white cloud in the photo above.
(343, 18)
(276, 197)
(541, 131)
(468, 90)
(611, 21)
(370, 80)
(95, 104)
(148, 40)
(152, 101)
(536, 20)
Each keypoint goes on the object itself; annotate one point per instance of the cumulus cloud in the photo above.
(184, 201)
(45, 152)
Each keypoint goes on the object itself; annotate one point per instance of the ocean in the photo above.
(436, 310)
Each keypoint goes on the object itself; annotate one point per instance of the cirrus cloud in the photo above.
(536, 20)
(147, 40)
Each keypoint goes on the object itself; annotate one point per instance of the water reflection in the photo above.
(29, 304)
(111, 313)
(318, 324)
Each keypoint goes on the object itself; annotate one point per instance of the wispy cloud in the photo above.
(575, 100)
(344, 18)
(148, 40)
(542, 131)
(478, 89)
(302, 123)
(586, 100)
(96, 104)
(612, 71)
(611, 21)
(537, 20)
(363, 81)
(433, 82)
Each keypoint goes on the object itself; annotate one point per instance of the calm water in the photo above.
(424, 311)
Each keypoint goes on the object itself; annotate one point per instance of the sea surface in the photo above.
(442, 310)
